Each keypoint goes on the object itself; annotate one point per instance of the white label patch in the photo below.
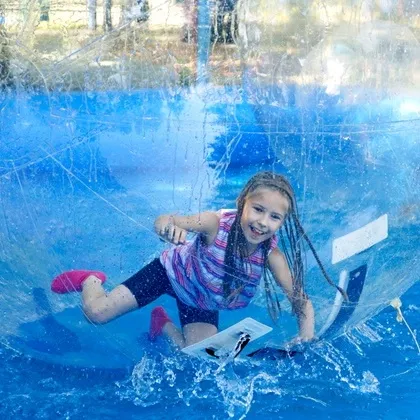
(361, 239)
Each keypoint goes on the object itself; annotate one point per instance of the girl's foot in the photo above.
(71, 281)
(158, 320)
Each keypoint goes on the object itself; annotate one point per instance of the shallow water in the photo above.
(353, 377)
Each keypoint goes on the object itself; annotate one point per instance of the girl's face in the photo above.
(263, 215)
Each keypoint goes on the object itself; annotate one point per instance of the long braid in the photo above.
(321, 266)
(272, 299)
(233, 282)
(231, 271)
(298, 251)
(293, 254)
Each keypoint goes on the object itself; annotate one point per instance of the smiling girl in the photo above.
(220, 269)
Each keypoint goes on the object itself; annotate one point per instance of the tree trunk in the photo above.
(5, 74)
(44, 6)
(91, 8)
(401, 8)
(107, 15)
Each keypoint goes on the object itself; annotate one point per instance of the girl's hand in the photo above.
(170, 232)
(297, 341)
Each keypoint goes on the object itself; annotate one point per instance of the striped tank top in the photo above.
(196, 270)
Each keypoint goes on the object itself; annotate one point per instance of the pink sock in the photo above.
(158, 319)
(71, 281)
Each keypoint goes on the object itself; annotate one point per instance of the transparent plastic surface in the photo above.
(171, 107)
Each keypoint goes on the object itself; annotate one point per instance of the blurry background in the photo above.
(153, 43)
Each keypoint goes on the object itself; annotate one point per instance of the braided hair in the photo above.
(290, 236)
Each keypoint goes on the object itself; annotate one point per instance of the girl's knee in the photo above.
(103, 309)
(96, 312)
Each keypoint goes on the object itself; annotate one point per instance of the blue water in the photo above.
(357, 379)
(82, 177)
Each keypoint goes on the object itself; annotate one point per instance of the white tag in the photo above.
(361, 239)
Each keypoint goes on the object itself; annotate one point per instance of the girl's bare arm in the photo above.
(281, 272)
(174, 228)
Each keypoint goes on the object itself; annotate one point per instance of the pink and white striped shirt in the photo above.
(196, 270)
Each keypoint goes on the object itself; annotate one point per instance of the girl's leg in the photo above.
(197, 324)
(160, 323)
(139, 290)
(174, 335)
(100, 307)
(198, 331)
(191, 333)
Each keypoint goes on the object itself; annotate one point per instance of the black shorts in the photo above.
(152, 282)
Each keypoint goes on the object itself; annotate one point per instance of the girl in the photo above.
(219, 270)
